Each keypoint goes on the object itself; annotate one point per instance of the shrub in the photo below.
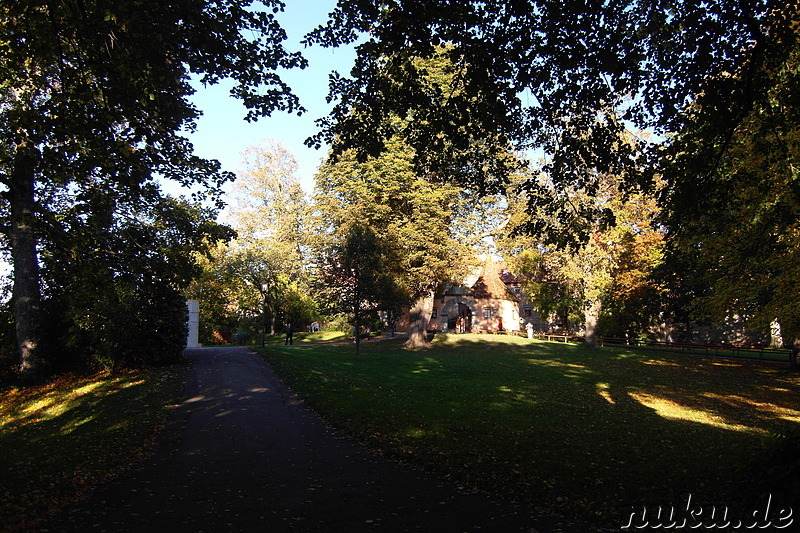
(338, 323)
(243, 336)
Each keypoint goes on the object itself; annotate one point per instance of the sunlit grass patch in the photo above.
(584, 432)
(19, 407)
(58, 439)
(659, 362)
(603, 392)
(773, 408)
(321, 336)
(672, 410)
(305, 337)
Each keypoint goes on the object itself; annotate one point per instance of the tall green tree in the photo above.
(270, 212)
(358, 275)
(411, 215)
(265, 268)
(267, 199)
(732, 194)
(715, 81)
(94, 98)
(432, 180)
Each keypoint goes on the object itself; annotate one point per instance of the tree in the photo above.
(265, 274)
(543, 71)
(95, 96)
(581, 274)
(358, 274)
(212, 288)
(112, 280)
(244, 289)
(418, 189)
(267, 198)
(264, 271)
(411, 215)
(733, 197)
(250, 286)
(611, 270)
(552, 297)
(634, 306)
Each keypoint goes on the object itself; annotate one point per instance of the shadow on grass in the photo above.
(570, 428)
(56, 441)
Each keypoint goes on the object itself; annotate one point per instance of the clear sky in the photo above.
(223, 133)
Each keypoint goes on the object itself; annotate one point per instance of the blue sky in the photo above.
(223, 133)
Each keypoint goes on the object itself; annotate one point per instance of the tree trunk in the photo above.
(357, 321)
(26, 294)
(591, 314)
(419, 317)
(357, 340)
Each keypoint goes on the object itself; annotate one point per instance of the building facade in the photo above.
(494, 302)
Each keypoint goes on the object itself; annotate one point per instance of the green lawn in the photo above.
(577, 431)
(303, 337)
(57, 440)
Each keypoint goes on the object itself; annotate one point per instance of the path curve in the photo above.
(242, 454)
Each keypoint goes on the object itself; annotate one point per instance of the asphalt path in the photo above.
(241, 453)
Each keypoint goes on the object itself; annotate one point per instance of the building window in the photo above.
(526, 312)
(487, 312)
(435, 313)
(517, 290)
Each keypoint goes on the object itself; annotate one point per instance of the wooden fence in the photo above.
(720, 350)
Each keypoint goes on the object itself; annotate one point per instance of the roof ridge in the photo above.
(489, 284)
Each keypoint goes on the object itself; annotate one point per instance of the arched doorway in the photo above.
(459, 315)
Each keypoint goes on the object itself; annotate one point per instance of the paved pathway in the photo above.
(242, 454)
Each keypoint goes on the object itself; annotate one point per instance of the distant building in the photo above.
(494, 302)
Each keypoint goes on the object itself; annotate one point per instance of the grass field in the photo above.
(577, 431)
(304, 337)
(59, 439)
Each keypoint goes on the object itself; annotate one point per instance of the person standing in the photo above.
(289, 334)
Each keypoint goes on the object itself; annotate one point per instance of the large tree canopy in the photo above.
(411, 199)
(94, 97)
(543, 71)
(714, 83)
(409, 216)
(735, 226)
(261, 277)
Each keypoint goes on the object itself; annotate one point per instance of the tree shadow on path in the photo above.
(242, 454)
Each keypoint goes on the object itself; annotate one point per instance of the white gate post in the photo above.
(192, 338)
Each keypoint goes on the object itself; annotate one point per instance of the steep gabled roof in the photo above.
(457, 290)
(489, 284)
(506, 276)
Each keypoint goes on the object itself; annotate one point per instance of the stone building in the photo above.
(490, 301)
